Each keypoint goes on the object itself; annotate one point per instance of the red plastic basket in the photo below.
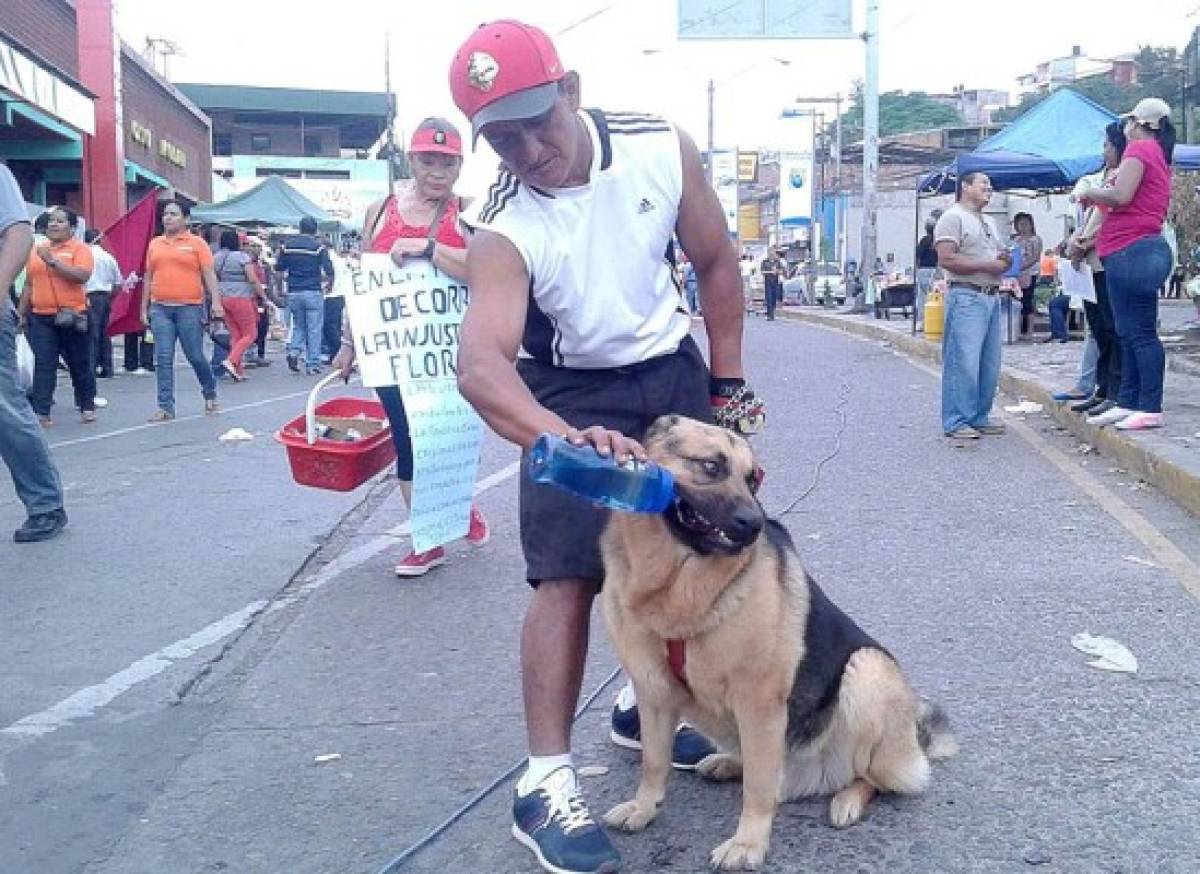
(334, 464)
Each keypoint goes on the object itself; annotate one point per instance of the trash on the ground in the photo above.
(234, 435)
(592, 770)
(1117, 470)
(1068, 528)
(327, 757)
(1110, 655)
(1085, 448)
(1024, 407)
(100, 402)
(1144, 562)
(814, 536)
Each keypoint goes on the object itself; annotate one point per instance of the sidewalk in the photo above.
(1168, 459)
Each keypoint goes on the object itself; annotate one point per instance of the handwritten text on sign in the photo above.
(405, 323)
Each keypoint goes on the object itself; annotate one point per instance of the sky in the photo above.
(630, 58)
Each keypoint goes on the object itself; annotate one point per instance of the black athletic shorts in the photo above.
(560, 534)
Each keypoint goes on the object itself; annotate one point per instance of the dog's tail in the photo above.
(933, 732)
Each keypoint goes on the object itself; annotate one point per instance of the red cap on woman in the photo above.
(436, 135)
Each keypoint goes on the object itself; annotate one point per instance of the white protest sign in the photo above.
(1076, 282)
(405, 324)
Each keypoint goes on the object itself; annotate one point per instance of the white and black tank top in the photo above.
(602, 286)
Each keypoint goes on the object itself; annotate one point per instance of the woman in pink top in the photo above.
(1137, 261)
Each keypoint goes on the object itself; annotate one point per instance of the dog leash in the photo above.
(441, 828)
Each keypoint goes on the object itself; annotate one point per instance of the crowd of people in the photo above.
(1120, 237)
(593, 354)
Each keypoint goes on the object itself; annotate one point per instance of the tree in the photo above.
(899, 112)
(1159, 71)
(1185, 216)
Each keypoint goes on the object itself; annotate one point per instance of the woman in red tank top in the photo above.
(400, 225)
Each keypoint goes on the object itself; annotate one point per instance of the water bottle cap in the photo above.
(666, 492)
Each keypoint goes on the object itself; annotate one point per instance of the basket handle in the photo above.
(310, 406)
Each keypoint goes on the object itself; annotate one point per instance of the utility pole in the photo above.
(712, 90)
(870, 226)
(391, 119)
(839, 226)
(839, 229)
(811, 273)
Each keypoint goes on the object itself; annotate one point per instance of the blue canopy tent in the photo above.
(1186, 157)
(1047, 148)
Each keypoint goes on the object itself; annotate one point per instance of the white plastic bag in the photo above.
(24, 363)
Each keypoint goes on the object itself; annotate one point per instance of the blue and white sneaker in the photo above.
(553, 821)
(690, 747)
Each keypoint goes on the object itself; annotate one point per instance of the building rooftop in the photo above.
(361, 115)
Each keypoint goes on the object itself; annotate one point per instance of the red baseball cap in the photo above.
(436, 135)
(505, 71)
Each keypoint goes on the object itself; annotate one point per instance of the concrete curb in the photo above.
(1172, 479)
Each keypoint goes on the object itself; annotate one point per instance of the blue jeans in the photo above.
(970, 357)
(185, 322)
(1060, 305)
(1088, 367)
(22, 443)
(308, 317)
(1134, 275)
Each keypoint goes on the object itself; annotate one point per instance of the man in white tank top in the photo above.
(577, 326)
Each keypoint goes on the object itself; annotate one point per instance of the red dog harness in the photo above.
(676, 660)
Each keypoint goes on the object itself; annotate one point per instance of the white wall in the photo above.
(897, 232)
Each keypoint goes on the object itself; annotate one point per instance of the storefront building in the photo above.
(85, 122)
(319, 141)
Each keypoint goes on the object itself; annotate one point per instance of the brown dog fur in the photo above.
(742, 610)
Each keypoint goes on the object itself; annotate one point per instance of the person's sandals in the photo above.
(211, 408)
(161, 415)
(963, 432)
(232, 371)
(88, 417)
(45, 421)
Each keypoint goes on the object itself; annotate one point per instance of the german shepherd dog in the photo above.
(717, 622)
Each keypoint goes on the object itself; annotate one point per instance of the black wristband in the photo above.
(427, 252)
(724, 386)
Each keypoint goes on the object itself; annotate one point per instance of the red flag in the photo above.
(127, 239)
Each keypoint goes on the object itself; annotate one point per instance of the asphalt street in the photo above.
(215, 670)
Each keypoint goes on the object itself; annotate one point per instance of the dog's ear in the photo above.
(659, 427)
(757, 478)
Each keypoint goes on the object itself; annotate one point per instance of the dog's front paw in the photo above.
(846, 809)
(631, 816)
(737, 854)
(720, 766)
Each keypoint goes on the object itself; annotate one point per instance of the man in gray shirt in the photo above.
(971, 252)
(22, 444)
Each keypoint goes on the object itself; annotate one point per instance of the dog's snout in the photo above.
(746, 522)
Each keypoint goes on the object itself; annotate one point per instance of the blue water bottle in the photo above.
(637, 487)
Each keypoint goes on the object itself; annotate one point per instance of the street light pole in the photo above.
(712, 89)
(870, 227)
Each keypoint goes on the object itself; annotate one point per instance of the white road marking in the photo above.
(147, 425)
(87, 701)
(364, 552)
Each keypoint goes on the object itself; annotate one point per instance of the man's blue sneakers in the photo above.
(554, 822)
(689, 750)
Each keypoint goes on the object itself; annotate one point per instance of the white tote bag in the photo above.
(24, 362)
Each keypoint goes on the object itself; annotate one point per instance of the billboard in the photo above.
(765, 19)
(725, 181)
(796, 171)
